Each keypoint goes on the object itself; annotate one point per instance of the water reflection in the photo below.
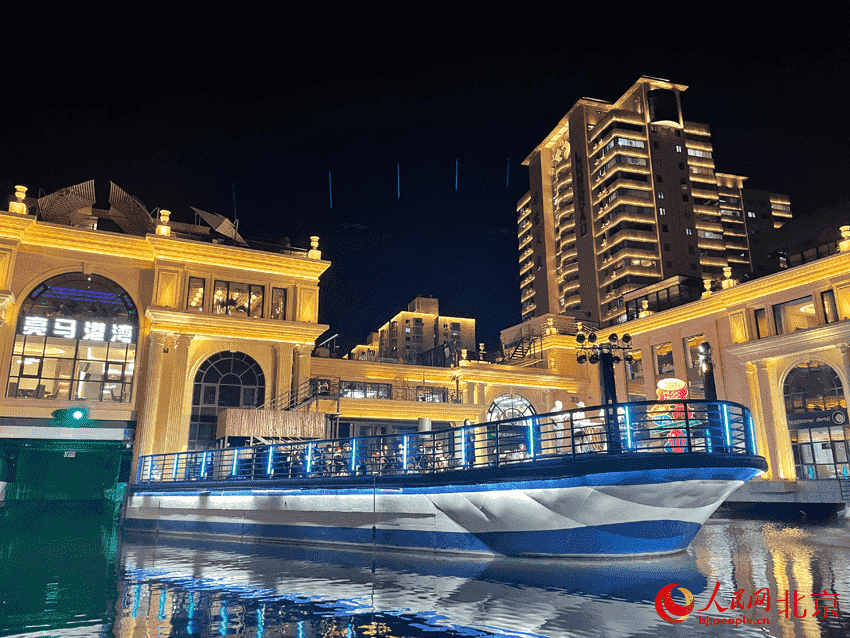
(58, 576)
(58, 567)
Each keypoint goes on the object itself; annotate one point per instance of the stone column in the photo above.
(778, 452)
(176, 436)
(146, 424)
(845, 363)
(302, 364)
(283, 373)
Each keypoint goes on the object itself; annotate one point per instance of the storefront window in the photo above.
(817, 421)
(75, 341)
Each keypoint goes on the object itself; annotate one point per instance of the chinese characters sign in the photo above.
(77, 329)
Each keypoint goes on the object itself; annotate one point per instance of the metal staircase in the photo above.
(306, 394)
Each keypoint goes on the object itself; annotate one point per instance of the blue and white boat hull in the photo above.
(653, 511)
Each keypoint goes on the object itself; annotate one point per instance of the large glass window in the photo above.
(798, 314)
(365, 390)
(696, 383)
(278, 303)
(663, 355)
(762, 329)
(817, 421)
(235, 298)
(509, 406)
(636, 382)
(225, 380)
(75, 341)
(195, 300)
(830, 310)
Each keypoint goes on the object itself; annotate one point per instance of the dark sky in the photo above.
(184, 116)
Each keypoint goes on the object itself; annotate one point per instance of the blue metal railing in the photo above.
(682, 427)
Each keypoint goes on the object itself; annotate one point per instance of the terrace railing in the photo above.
(685, 427)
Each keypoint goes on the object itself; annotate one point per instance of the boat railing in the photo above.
(680, 427)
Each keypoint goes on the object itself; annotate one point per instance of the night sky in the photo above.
(180, 119)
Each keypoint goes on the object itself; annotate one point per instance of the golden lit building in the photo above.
(415, 331)
(154, 326)
(180, 332)
(625, 195)
(781, 346)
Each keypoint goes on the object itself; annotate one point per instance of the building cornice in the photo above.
(741, 294)
(36, 236)
(225, 327)
(243, 259)
(813, 339)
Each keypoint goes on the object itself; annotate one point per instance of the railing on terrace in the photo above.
(687, 427)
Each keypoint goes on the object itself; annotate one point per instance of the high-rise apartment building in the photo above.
(625, 196)
(415, 331)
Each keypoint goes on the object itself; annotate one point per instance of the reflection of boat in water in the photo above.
(540, 596)
(520, 487)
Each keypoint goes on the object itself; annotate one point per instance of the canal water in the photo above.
(67, 570)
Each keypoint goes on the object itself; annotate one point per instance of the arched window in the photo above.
(75, 340)
(225, 380)
(817, 421)
(509, 406)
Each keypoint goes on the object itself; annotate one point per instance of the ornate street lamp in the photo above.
(606, 354)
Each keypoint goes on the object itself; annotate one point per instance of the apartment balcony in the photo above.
(696, 128)
(708, 260)
(568, 269)
(525, 254)
(737, 259)
(526, 281)
(706, 210)
(522, 214)
(572, 301)
(568, 254)
(623, 183)
(699, 146)
(527, 294)
(738, 245)
(631, 269)
(711, 244)
(523, 226)
(643, 217)
(715, 227)
(702, 192)
(525, 240)
(628, 234)
(567, 225)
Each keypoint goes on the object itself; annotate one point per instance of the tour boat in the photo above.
(614, 480)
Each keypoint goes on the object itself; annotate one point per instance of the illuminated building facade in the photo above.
(625, 195)
(153, 326)
(180, 332)
(781, 345)
(415, 331)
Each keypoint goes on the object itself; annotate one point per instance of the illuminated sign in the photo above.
(74, 329)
